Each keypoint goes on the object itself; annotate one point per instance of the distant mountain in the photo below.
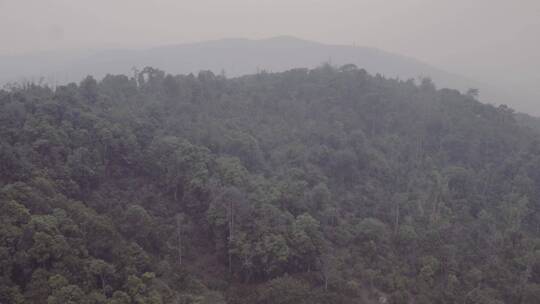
(233, 56)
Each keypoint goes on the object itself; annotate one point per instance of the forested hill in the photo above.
(307, 186)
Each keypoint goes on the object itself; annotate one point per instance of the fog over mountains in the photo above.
(234, 57)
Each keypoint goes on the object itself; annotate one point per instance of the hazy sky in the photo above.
(490, 40)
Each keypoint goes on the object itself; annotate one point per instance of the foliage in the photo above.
(308, 186)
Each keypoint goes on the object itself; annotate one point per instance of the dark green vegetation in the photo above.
(308, 186)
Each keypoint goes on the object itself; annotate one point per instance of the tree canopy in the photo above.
(308, 186)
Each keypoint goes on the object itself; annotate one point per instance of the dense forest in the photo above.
(308, 186)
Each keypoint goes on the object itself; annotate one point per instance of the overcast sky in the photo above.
(489, 40)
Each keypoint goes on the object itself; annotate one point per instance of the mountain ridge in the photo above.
(234, 56)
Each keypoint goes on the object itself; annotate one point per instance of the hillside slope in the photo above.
(308, 186)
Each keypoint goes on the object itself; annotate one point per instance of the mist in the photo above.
(273, 152)
(493, 42)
